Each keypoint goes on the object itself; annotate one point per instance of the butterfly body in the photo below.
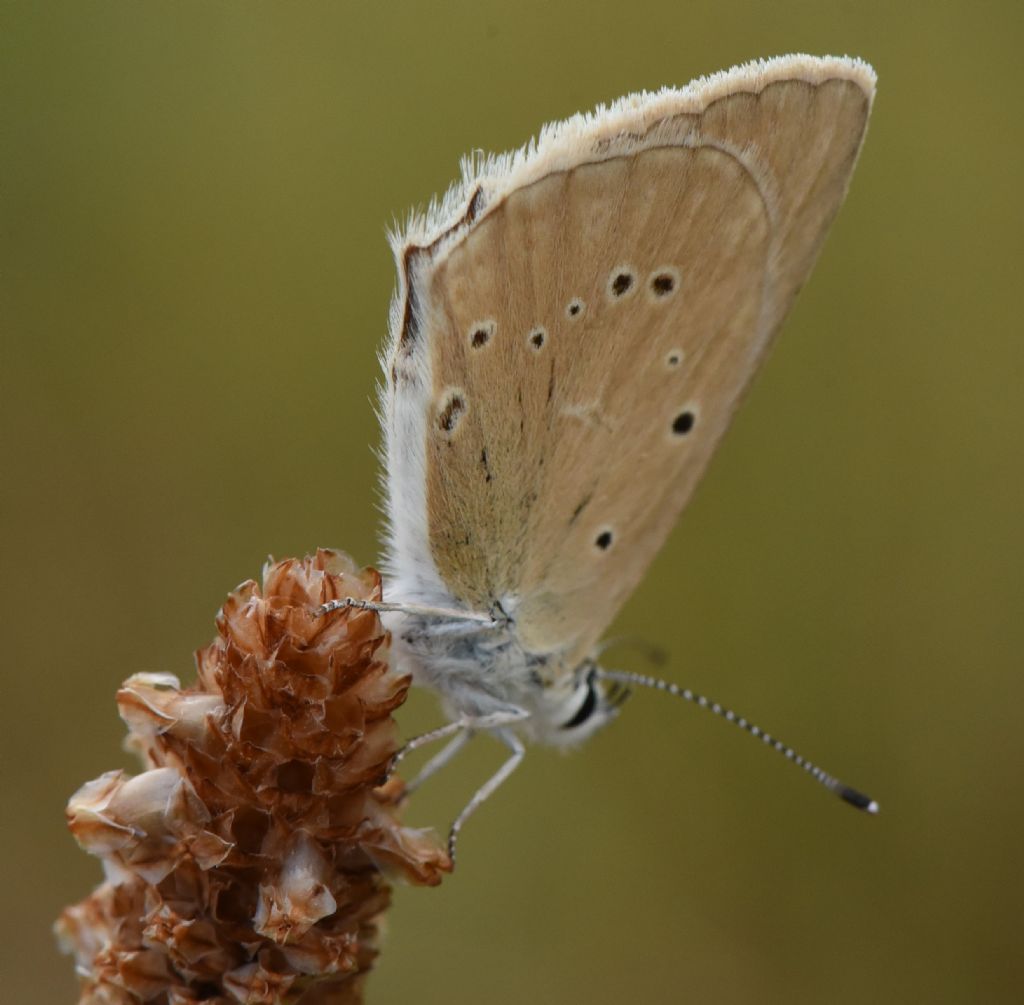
(573, 329)
(483, 671)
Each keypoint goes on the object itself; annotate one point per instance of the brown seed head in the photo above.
(245, 863)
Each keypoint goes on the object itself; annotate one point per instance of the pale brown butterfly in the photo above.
(574, 326)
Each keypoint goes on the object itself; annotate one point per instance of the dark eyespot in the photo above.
(683, 423)
(604, 540)
(480, 334)
(575, 308)
(662, 284)
(621, 283)
(452, 411)
(674, 358)
(537, 338)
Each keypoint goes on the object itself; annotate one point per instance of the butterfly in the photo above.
(573, 328)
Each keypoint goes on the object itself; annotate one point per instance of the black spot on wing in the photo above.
(683, 423)
(621, 284)
(451, 412)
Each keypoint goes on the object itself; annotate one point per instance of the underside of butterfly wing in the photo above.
(576, 324)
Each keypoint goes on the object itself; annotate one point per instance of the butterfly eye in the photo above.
(589, 704)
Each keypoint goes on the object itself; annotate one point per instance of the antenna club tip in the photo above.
(857, 799)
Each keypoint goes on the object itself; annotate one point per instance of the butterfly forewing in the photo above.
(583, 341)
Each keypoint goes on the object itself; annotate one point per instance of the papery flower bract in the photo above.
(247, 857)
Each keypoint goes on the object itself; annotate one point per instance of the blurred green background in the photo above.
(195, 282)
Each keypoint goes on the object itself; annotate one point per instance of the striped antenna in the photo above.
(847, 794)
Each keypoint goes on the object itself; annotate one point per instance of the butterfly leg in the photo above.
(464, 724)
(489, 787)
(445, 613)
(438, 761)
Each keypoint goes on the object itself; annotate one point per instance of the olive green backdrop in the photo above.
(195, 281)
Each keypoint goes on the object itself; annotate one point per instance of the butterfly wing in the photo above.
(576, 325)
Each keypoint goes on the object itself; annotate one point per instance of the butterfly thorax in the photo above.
(479, 670)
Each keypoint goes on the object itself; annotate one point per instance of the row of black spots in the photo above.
(481, 334)
(662, 283)
(622, 281)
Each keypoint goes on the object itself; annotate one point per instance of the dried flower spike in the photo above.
(244, 865)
